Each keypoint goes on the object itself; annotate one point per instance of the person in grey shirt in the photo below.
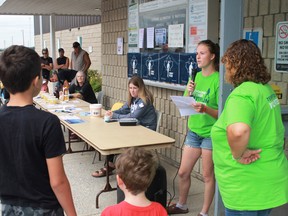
(139, 106)
(80, 60)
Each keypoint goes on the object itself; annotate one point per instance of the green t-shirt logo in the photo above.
(273, 101)
(202, 96)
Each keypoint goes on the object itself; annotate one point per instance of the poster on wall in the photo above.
(150, 5)
(160, 36)
(169, 67)
(175, 35)
(120, 50)
(197, 23)
(133, 26)
(150, 37)
(187, 65)
(281, 47)
(141, 38)
(134, 64)
(150, 66)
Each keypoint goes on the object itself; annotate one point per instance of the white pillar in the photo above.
(52, 37)
(231, 28)
(41, 32)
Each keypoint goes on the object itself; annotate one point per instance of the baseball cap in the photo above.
(76, 44)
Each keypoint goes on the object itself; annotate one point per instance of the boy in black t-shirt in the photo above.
(32, 176)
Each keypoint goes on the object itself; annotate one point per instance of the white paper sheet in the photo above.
(150, 37)
(141, 38)
(175, 35)
(184, 105)
(71, 119)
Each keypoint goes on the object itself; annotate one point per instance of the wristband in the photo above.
(203, 108)
(239, 158)
(236, 159)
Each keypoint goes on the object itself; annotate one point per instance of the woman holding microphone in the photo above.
(198, 141)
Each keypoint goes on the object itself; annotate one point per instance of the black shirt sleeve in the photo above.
(53, 140)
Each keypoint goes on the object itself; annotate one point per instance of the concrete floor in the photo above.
(79, 167)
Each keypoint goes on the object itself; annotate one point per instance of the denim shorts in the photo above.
(196, 141)
(229, 212)
(11, 210)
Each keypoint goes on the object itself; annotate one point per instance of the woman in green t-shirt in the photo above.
(198, 142)
(249, 126)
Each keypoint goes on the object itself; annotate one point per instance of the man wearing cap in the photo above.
(80, 60)
(62, 62)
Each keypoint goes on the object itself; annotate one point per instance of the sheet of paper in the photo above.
(69, 110)
(176, 35)
(71, 119)
(120, 46)
(183, 103)
(141, 38)
(150, 37)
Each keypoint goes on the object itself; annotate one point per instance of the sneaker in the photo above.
(173, 209)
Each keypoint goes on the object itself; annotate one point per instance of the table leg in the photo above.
(107, 187)
(69, 150)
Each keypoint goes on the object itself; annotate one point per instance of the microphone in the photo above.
(193, 76)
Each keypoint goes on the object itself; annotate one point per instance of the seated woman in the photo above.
(139, 106)
(82, 89)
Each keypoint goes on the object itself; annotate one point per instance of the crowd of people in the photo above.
(63, 72)
(242, 148)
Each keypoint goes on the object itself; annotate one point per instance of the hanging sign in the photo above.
(281, 47)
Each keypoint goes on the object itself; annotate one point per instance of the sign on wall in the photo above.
(133, 26)
(255, 35)
(281, 47)
(197, 23)
(169, 67)
(134, 64)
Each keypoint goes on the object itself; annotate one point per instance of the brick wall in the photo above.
(257, 13)
(91, 36)
(266, 14)
(114, 24)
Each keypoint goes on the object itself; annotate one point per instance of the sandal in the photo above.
(173, 209)
(103, 172)
(73, 136)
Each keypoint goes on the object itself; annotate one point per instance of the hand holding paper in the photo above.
(184, 104)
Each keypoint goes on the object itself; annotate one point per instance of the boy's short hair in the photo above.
(137, 168)
(19, 65)
(60, 50)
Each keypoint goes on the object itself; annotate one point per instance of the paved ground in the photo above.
(79, 167)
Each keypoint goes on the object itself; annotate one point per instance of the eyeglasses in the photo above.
(44, 53)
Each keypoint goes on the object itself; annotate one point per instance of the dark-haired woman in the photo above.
(198, 142)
